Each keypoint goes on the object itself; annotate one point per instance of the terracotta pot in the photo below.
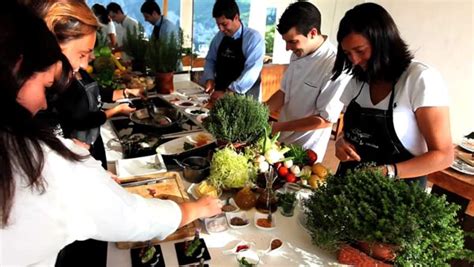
(381, 251)
(164, 83)
(352, 256)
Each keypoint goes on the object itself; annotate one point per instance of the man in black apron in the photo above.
(228, 64)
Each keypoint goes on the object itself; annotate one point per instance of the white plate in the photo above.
(463, 167)
(147, 165)
(175, 146)
(259, 215)
(241, 214)
(186, 103)
(203, 111)
(467, 144)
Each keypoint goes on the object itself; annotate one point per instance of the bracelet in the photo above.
(124, 93)
(390, 171)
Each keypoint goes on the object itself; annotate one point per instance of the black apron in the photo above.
(92, 90)
(230, 63)
(372, 133)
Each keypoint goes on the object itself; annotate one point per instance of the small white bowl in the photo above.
(232, 203)
(241, 214)
(250, 256)
(259, 215)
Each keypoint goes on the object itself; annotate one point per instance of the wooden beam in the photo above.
(165, 8)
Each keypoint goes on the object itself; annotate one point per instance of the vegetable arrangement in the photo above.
(230, 169)
(367, 206)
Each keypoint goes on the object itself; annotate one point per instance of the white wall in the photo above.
(440, 34)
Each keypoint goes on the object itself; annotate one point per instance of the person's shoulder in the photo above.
(421, 70)
(252, 32)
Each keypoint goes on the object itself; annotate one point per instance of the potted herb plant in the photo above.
(237, 119)
(135, 45)
(366, 206)
(163, 57)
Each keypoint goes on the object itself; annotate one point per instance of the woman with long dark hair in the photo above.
(397, 110)
(51, 191)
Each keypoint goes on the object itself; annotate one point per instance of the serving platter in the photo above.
(462, 167)
(176, 146)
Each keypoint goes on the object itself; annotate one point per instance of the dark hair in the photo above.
(101, 13)
(114, 7)
(303, 16)
(21, 136)
(149, 6)
(226, 8)
(390, 55)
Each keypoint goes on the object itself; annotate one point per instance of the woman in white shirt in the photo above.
(107, 27)
(52, 192)
(397, 112)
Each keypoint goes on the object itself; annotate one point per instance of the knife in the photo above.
(147, 182)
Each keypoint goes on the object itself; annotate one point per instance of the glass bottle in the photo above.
(267, 201)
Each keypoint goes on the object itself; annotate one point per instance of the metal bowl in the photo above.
(195, 169)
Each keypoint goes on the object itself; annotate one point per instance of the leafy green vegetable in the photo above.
(298, 154)
(148, 254)
(192, 246)
(230, 169)
(364, 205)
(237, 118)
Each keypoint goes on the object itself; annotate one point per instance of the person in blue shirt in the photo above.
(235, 57)
(161, 26)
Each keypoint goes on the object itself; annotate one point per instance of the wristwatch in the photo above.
(391, 173)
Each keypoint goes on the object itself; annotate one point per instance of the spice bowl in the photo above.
(237, 220)
(262, 223)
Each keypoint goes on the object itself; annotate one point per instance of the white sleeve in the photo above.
(426, 87)
(111, 28)
(329, 104)
(97, 207)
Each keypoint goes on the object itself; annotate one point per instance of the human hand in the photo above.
(209, 86)
(209, 206)
(345, 151)
(114, 177)
(124, 109)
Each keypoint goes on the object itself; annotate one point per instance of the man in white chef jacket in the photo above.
(308, 100)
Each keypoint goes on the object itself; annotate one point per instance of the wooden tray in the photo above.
(170, 188)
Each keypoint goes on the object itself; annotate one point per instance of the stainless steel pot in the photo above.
(195, 169)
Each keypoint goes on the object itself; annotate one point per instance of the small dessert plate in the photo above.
(262, 223)
(237, 220)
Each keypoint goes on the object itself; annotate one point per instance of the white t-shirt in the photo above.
(309, 91)
(121, 29)
(419, 86)
(81, 201)
(106, 29)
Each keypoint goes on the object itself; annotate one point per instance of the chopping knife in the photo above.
(146, 182)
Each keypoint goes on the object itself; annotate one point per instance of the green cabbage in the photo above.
(230, 169)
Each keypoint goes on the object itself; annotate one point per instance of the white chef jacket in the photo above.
(419, 86)
(309, 91)
(121, 29)
(81, 201)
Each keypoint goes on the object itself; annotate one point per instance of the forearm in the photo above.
(301, 125)
(429, 162)
(189, 212)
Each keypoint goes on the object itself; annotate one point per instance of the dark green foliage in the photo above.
(366, 206)
(135, 44)
(163, 54)
(237, 118)
(297, 154)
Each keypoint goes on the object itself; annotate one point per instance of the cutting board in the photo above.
(171, 187)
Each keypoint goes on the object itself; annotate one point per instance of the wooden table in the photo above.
(457, 183)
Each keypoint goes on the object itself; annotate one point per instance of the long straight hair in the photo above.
(27, 47)
(390, 55)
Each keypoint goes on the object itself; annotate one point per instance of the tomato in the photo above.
(290, 178)
(283, 171)
(277, 165)
(312, 156)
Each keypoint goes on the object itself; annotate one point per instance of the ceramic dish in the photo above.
(216, 224)
(231, 203)
(193, 191)
(185, 103)
(263, 216)
(176, 146)
(233, 216)
(463, 167)
(467, 144)
(196, 111)
(139, 166)
(251, 258)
